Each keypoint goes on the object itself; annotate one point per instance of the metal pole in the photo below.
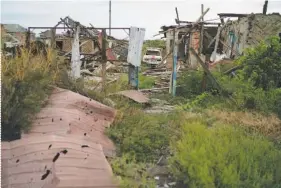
(202, 31)
(175, 58)
(104, 60)
(109, 17)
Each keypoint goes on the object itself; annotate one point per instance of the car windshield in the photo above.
(152, 52)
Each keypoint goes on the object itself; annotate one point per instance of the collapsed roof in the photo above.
(118, 49)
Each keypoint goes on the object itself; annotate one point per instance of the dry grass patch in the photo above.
(269, 125)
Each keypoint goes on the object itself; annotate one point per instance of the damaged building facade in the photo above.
(63, 42)
(90, 41)
(190, 40)
(247, 31)
(233, 37)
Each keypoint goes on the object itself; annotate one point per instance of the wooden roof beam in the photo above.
(232, 15)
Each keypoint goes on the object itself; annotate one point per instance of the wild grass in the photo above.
(26, 82)
(224, 156)
(268, 125)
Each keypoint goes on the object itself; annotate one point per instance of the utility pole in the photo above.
(104, 59)
(109, 17)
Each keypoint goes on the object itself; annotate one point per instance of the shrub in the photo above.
(142, 135)
(130, 173)
(262, 64)
(224, 156)
(26, 83)
(146, 82)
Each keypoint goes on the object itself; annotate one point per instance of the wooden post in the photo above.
(53, 38)
(213, 40)
(265, 7)
(217, 43)
(27, 42)
(223, 43)
(206, 69)
(174, 70)
(202, 30)
(177, 15)
(104, 59)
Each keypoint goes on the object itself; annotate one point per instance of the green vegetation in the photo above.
(146, 82)
(262, 64)
(26, 83)
(224, 156)
(210, 140)
(153, 43)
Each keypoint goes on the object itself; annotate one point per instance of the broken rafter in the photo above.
(199, 23)
(206, 69)
(213, 40)
(222, 42)
(191, 26)
(232, 15)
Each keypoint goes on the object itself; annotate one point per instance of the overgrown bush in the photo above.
(224, 156)
(26, 83)
(143, 136)
(130, 173)
(255, 86)
(146, 82)
(261, 64)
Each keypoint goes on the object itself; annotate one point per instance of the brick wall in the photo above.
(88, 47)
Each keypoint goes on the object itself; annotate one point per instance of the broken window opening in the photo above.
(59, 45)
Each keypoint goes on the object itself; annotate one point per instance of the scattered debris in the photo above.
(44, 176)
(160, 109)
(134, 95)
(56, 157)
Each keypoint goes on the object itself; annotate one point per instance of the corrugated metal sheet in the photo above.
(135, 46)
(71, 113)
(134, 95)
(80, 163)
(70, 124)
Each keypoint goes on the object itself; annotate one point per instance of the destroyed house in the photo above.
(17, 31)
(247, 31)
(191, 38)
(63, 42)
(90, 41)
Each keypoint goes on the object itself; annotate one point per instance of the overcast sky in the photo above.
(148, 14)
